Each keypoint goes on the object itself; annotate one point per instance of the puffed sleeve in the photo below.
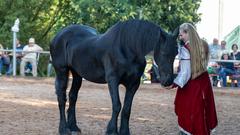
(185, 67)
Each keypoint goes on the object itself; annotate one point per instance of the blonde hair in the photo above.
(199, 57)
(206, 52)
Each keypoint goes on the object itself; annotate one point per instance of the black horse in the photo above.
(115, 57)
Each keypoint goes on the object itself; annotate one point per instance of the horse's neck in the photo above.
(148, 44)
(145, 49)
(149, 49)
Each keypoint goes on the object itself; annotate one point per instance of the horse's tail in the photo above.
(58, 54)
(58, 50)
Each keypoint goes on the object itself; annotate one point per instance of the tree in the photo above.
(169, 13)
(101, 14)
(37, 18)
(42, 19)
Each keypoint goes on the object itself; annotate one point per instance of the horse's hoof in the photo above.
(65, 132)
(124, 133)
(111, 134)
(75, 133)
(68, 133)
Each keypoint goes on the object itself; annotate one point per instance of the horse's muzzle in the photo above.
(166, 80)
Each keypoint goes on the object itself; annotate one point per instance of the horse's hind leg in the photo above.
(61, 86)
(73, 95)
(131, 88)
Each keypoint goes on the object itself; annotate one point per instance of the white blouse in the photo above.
(185, 67)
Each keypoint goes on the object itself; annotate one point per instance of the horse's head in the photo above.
(164, 55)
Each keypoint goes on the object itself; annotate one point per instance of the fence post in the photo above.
(15, 29)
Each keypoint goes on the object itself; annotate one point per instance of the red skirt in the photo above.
(195, 107)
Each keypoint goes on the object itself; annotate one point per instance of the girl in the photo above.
(235, 54)
(194, 102)
(226, 69)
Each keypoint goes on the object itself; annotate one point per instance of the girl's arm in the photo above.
(185, 68)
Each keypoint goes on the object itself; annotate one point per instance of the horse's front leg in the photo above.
(131, 89)
(73, 95)
(116, 107)
(61, 86)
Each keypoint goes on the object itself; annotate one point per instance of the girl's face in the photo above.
(183, 35)
(225, 57)
(235, 48)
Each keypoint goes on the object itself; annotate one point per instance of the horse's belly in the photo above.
(96, 79)
(96, 75)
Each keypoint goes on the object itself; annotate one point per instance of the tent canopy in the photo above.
(233, 38)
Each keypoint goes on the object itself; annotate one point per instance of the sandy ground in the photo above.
(28, 106)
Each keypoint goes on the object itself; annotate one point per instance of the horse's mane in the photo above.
(139, 35)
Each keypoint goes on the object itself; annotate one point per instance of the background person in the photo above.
(235, 55)
(226, 69)
(19, 48)
(215, 54)
(30, 55)
(4, 61)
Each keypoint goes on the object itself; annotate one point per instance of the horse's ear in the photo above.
(176, 33)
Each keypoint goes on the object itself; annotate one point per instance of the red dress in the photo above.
(195, 107)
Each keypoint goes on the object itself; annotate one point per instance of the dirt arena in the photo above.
(28, 107)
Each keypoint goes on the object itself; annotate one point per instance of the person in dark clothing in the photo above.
(226, 69)
(19, 48)
(235, 55)
(4, 61)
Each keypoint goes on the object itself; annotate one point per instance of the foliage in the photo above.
(37, 18)
(42, 19)
(171, 13)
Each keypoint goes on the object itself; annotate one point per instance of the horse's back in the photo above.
(73, 31)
